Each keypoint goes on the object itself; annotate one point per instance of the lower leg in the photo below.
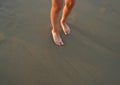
(55, 10)
(66, 11)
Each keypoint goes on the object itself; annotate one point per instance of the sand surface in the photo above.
(90, 56)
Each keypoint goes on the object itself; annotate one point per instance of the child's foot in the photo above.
(57, 39)
(65, 28)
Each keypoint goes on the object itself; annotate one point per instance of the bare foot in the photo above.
(66, 28)
(57, 39)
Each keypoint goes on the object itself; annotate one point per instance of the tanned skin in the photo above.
(65, 6)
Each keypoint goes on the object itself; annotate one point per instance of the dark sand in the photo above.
(90, 56)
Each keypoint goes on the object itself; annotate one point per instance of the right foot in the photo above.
(57, 39)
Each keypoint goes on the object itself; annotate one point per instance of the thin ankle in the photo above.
(54, 29)
(62, 21)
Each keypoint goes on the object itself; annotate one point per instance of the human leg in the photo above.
(55, 11)
(66, 11)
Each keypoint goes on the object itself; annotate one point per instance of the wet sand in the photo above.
(90, 56)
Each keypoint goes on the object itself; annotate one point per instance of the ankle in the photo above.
(55, 31)
(62, 21)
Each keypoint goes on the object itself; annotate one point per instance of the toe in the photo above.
(62, 43)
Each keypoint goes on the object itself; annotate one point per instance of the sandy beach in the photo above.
(90, 56)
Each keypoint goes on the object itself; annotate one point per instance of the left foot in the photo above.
(65, 28)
